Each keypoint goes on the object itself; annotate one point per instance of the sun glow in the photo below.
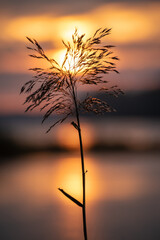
(68, 25)
(68, 137)
(39, 27)
(130, 25)
(69, 178)
(71, 64)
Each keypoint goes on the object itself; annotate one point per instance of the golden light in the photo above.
(45, 28)
(37, 27)
(67, 27)
(104, 180)
(70, 64)
(73, 183)
(68, 137)
(68, 177)
(134, 24)
(59, 56)
(129, 24)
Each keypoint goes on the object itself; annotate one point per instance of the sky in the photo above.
(135, 33)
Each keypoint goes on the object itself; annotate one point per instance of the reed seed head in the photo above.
(86, 62)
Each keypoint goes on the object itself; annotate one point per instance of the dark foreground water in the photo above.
(123, 197)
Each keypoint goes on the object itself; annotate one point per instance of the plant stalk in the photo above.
(82, 164)
(83, 179)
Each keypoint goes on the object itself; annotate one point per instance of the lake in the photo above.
(123, 197)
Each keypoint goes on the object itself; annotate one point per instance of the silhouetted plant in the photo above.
(55, 88)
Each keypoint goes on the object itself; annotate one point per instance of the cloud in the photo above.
(51, 7)
(56, 7)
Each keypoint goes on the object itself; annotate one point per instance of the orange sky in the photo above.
(135, 32)
(134, 25)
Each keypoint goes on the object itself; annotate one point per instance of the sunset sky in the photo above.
(135, 32)
(121, 147)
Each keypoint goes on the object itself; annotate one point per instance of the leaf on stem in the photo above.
(75, 125)
(71, 198)
(30, 40)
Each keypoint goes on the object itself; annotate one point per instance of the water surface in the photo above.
(123, 197)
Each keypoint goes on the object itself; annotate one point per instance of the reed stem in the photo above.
(82, 164)
(83, 178)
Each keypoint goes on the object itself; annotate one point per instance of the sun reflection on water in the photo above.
(69, 178)
(37, 182)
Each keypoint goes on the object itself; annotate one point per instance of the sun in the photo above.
(71, 63)
(60, 56)
(68, 25)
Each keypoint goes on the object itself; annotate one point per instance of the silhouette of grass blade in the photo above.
(71, 198)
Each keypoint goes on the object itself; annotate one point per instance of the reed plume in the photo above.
(55, 88)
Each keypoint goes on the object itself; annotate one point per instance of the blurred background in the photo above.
(122, 149)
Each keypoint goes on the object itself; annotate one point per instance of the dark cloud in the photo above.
(55, 7)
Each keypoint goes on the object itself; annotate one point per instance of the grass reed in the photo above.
(55, 89)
